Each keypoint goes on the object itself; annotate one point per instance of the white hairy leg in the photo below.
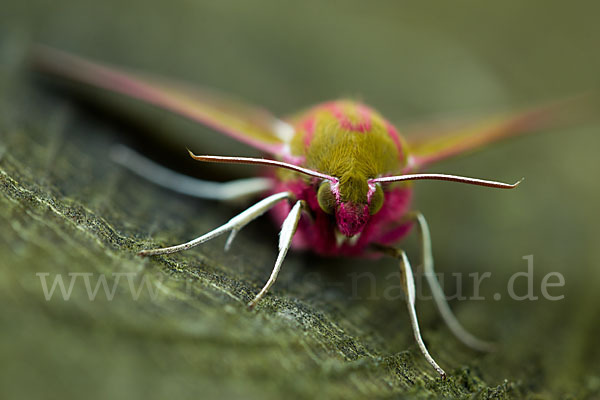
(438, 294)
(234, 224)
(288, 228)
(408, 283)
(184, 184)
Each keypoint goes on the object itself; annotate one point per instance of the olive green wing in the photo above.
(449, 139)
(248, 124)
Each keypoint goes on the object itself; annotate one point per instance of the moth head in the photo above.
(352, 209)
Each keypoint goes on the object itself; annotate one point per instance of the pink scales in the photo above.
(327, 234)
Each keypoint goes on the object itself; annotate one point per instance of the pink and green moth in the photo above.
(341, 179)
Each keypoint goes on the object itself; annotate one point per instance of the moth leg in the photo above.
(288, 229)
(408, 283)
(234, 224)
(438, 294)
(161, 176)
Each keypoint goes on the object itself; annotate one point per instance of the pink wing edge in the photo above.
(447, 144)
(78, 69)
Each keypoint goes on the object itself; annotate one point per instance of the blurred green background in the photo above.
(66, 208)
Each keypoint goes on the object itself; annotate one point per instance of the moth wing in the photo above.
(452, 138)
(251, 125)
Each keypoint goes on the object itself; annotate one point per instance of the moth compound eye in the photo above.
(376, 200)
(326, 198)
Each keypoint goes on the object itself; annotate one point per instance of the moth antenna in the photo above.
(262, 161)
(445, 177)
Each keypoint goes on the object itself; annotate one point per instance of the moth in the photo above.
(341, 176)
